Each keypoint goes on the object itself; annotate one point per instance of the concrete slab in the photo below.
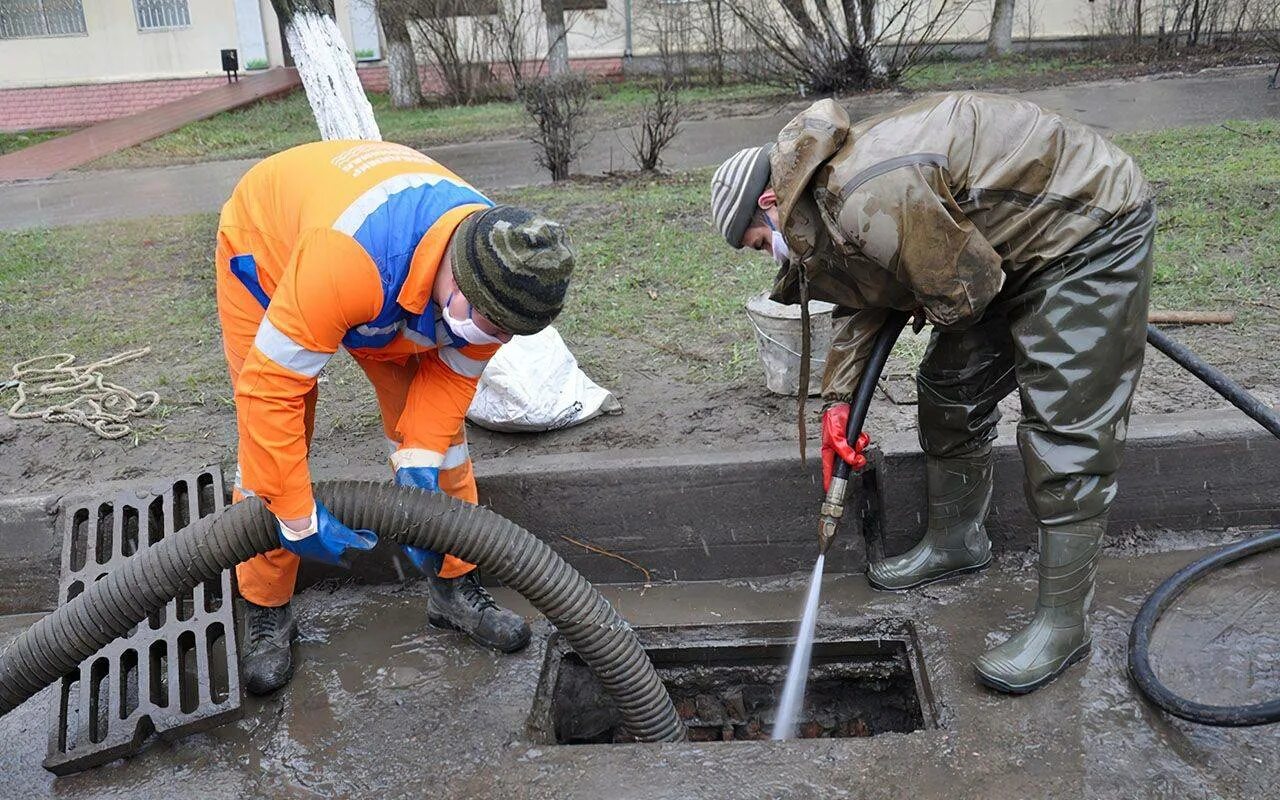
(383, 707)
(753, 512)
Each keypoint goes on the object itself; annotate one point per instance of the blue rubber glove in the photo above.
(328, 541)
(428, 480)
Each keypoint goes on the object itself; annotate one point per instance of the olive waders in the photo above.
(1070, 338)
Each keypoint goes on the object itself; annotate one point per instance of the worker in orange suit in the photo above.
(379, 249)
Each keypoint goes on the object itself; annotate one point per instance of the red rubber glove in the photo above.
(835, 421)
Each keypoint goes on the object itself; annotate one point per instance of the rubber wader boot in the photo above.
(1058, 635)
(267, 663)
(462, 604)
(955, 541)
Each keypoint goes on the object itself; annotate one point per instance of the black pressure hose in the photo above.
(881, 347)
(107, 609)
(1216, 380)
(1164, 595)
(833, 502)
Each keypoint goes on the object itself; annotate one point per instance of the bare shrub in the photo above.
(557, 105)
(446, 32)
(1178, 24)
(512, 35)
(828, 46)
(714, 23)
(671, 29)
(658, 123)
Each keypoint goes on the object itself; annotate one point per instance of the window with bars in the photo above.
(26, 18)
(159, 14)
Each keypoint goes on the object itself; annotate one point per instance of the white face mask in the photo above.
(466, 329)
(781, 253)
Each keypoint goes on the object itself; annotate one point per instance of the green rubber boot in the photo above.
(1058, 636)
(956, 540)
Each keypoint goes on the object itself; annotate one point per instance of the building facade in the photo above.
(69, 63)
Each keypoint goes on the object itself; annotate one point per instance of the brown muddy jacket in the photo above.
(932, 206)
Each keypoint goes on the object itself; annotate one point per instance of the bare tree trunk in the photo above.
(402, 66)
(1000, 36)
(557, 37)
(327, 70)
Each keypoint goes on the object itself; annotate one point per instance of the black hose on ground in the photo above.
(1216, 380)
(107, 609)
(1164, 595)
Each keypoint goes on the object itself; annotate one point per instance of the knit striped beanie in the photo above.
(735, 188)
(513, 266)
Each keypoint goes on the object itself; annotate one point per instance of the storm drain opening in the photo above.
(726, 682)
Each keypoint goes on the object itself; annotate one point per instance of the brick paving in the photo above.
(80, 147)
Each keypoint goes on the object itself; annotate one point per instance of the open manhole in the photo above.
(726, 680)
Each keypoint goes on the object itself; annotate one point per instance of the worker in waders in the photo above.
(376, 248)
(1025, 239)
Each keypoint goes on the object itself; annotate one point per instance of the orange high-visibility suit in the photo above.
(328, 244)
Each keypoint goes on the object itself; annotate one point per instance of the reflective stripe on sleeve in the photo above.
(463, 365)
(455, 456)
(288, 353)
(416, 457)
(239, 484)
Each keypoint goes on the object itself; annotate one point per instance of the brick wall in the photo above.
(80, 105)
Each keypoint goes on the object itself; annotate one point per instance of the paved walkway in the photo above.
(1114, 106)
(83, 146)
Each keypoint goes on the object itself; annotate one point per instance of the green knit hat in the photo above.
(513, 266)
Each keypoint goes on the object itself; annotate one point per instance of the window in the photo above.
(160, 14)
(23, 18)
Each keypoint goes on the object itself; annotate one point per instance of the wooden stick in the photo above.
(600, 550)
(1191, 317)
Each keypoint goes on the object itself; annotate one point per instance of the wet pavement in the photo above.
(1112, 106)
(383, 707)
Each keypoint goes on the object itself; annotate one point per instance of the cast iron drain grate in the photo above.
(866, 678)
(174, 674)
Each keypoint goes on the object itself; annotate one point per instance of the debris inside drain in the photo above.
(730, 692)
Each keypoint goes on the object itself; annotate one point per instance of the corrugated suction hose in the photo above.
(109, 608)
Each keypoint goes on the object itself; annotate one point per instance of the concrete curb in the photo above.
(753, 512)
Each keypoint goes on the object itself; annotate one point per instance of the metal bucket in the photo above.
(778, 339)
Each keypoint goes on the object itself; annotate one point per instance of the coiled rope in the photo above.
(79, 394)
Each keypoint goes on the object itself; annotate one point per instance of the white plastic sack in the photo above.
(534, 384)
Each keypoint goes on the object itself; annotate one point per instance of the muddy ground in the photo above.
(663, 407)
(382, 706)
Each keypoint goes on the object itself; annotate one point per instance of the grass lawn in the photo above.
(654, 279)
(274, 125)
(949, 73)
(16, 141)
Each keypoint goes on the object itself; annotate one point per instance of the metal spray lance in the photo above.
(833, 503)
